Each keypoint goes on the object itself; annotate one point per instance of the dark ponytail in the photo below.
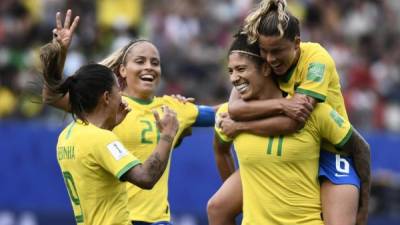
(86, 87)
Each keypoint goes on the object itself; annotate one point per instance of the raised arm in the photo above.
(53, 56)
(147, 174)
(360, 151)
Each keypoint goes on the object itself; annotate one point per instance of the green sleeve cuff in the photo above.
(345, 139)
(319, 97)
(126, 168)
(222, 139)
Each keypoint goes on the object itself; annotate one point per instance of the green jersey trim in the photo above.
(288, 75)
(70, 130)
(345, 139)
(220, 139)
(127, 167)
(319, 97)
(79, 219)
(142, 101)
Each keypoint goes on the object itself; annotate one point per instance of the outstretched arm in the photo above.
(360, 151)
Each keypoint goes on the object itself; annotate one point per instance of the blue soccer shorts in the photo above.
(338, 169)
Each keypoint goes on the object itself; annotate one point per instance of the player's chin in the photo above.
(246, 95)
(280, 71)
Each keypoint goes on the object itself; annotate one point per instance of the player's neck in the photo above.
(100, 122)
(100, 118)
(136, 95)
(270, 91)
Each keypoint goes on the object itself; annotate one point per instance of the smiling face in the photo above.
(280, 53)
(141, 70)
(247, 77)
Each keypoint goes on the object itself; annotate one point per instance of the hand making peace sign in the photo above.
(63, 34)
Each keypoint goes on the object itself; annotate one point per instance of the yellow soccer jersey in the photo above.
(138, 132)
(315, 75)
(92, 160)
(280, 174)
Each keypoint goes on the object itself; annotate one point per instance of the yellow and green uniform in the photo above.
(315, 75)
(280, 174)
(92, 161)
(139, 134)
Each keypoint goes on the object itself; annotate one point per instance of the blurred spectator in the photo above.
(362, 36)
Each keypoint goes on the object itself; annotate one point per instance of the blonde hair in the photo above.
(266, 8)
(114, 60)
(117, 58)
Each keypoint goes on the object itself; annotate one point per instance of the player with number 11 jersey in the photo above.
(277, 172)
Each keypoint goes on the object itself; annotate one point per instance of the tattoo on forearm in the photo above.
(156, 166)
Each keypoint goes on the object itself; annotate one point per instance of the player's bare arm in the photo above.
(53, 70)
(360, 151)
(146, 175)
(223, 157)
(298, 108)
(277, 125)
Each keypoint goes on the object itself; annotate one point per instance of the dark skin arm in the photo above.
(298, 108)
(223, 157)
(278, 125)
(359, 149)
(271, 126)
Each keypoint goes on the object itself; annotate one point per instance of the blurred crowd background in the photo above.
(193, 35)
(363, 37)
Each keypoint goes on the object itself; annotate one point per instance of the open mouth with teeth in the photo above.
(242, 87)
(147, 78)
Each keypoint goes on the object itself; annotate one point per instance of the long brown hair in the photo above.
(271, 18)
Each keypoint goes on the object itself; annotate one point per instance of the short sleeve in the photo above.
(333, 127)
(111, 154)
(187, 112)
(318, 72)
(222, 109)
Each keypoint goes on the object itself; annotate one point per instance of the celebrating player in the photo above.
(279, 173)
(137, 66)
(92, 159)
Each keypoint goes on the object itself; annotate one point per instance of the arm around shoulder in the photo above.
(250, 110)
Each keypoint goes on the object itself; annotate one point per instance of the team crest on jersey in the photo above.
(117, 150)
(316, 72)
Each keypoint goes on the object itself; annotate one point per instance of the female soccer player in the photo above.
(137, 66)
(279, 174)
(92, 159)
(307, 73)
